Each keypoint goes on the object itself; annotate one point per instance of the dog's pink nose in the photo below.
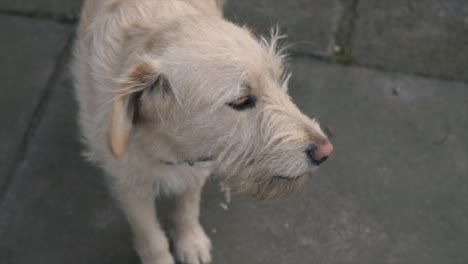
(318, 153)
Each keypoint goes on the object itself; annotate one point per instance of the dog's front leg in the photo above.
(150, 241)
(191, 244)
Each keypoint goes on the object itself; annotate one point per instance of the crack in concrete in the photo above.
(50, 16)
(19, 156)
(345, 28)
(342, 39)
(375, 67)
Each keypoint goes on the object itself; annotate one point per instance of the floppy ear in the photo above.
(120, 126)
(125, 105)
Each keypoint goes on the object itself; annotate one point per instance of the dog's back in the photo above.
(92, 9)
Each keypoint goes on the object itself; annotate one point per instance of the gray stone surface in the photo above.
(401, 152)
(57, 209)
(68, 9)
(394, 191)
(28, 52)
(428, 36)
(310, 25)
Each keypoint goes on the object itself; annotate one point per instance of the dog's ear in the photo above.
(126, 104)
(120, 125)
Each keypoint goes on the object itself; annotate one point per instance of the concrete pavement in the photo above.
(388, 77)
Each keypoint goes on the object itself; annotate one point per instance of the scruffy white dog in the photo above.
(170, 93)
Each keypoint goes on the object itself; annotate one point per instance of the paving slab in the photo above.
(429, 36)
(310, 25)
(28, 55)
(401, 152)
(57, 209)
(393, 192)
(68, 9)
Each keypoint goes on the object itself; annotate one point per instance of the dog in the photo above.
(170, 93)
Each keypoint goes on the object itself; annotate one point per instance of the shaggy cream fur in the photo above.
(162, 81)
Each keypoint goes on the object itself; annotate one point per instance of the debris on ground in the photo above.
(224, 206)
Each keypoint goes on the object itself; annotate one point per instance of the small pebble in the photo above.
(396, 91)
(227, 195)
(224, 206)
(336, 49)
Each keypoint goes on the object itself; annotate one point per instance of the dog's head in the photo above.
(205, 87)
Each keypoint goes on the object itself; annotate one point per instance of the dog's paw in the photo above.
(192, 246)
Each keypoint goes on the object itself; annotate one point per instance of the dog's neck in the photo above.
(190, 162)
(161, 149)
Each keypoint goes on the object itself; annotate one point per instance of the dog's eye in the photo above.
(243, 103)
